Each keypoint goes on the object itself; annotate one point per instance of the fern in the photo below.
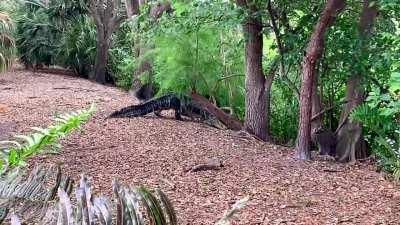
(15, 153)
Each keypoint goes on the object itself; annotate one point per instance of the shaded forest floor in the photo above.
(154, 152)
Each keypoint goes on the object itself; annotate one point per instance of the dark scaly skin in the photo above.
(165, 102)
(182, 105)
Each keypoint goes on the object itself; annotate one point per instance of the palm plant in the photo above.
(36, 38)
(45, 198)
(36, 200)
(7, 43)
(78, 46)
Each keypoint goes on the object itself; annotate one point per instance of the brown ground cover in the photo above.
(154, 152)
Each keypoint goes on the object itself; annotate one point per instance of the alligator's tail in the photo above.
(169, 101)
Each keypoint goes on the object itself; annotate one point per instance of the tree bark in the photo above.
(132, 7)
(312, 54)
(107, 19)
(228, 120)
(350, 141)
(316, 106)
(255, 100)
(101, 61)
(268, 86)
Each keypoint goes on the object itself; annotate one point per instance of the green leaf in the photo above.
(28, 139)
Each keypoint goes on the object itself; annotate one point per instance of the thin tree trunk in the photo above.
(313, 53)
(350, 142)
(316, 106)
(268, 86)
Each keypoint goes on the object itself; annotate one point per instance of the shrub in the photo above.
(380, 116)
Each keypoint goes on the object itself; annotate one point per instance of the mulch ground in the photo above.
(154, 152)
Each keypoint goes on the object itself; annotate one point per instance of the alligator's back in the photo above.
(164, 102)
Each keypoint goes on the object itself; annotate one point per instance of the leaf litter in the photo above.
(155, 152)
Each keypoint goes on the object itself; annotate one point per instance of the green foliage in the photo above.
(77, 47)
(16, 153)
(284, 108)
(7, 42)
(380, 116)
(55, 33)
(36, 37)
(195, 49)
(122, 62)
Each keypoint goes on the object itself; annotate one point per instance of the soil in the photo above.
(154, 152)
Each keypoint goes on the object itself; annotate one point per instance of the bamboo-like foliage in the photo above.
(15, 153)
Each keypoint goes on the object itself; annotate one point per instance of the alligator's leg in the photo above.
(178, 114)
(158, 113)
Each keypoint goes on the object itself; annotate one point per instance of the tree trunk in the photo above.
(107, 20)
(101, 61)
(268, 86)
(132, 7)
(313, 53)
(255, 100)
(316, 106)
(350, 141)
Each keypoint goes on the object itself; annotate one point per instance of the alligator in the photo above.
(181, 104)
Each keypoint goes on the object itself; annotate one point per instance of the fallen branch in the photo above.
(229, 121)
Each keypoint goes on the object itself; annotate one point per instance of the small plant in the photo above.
(15, 153)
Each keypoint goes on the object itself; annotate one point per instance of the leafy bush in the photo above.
(15, 153)
(78, 46)
(122, 61)
(55, 33)
(284, 117)
(37, 38)
(381, 118)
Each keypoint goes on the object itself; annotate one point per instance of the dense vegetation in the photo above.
(186, 46)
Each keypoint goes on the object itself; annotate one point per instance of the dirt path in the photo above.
(150, 151)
